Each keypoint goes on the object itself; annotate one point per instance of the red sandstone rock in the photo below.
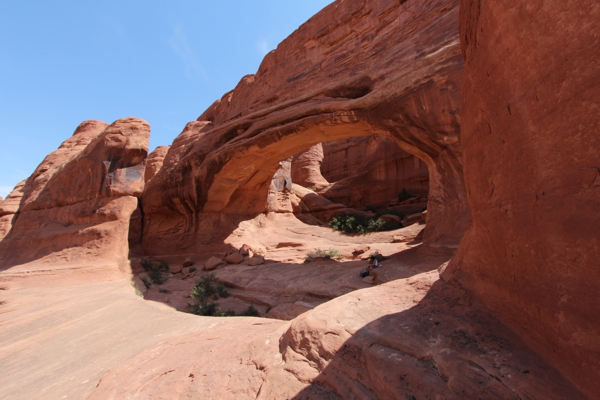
(234, 258)
(306, 168)
(392, 218)
(77, 204)
(213, 263)
(320, 85)
(426, 340)
(532, 157)
(256, 260)
(371, 171)
(155, 162)
(412, 219)
(278, 199)
(9, 207)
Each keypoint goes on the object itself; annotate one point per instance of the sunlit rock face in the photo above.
(75, 207)
(530, 120)
(355, 69)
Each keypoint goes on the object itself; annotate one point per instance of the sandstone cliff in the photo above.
(530, 126)
(76, 205)
(371, 171)
(511, 150)
(325, 82)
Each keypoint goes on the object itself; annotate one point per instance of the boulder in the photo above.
(399, 239)
(412, 219)
(359, 251)
(175, 268)
(392, 218)
(368, 279)
(213, 263)
(256, 260)
(246, 251)
(234, 258)
(188, 262)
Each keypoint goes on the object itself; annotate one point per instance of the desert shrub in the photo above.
(404, 195)
(193, 269)
(318, 253)
(206, 308)
(135, 288)
(221, 291)
(202, 294)
(158, 273)
(205, 289)
(355, 224)
(249, 312)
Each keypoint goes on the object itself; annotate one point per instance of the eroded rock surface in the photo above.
(530, 122)
(371, 171)
(306, 168)
(155, 162)
(76, 205)
(411, 338)
(324, 82)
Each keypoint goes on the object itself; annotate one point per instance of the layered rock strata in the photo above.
(397, 73)
(530, 121)
(76, 205)
(371, 171)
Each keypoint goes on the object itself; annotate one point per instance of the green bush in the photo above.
(221, 291)
(249, 312)
(318, 253)
(205, 290)
(158, 273)
(356, 224)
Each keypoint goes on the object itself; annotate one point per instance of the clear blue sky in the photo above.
(63, 62)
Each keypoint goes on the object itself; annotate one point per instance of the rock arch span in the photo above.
(402, 81)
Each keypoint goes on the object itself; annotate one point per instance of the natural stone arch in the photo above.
(404, 82)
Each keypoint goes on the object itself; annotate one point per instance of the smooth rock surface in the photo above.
(324, 82)
(530, 122)
(77, 204)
